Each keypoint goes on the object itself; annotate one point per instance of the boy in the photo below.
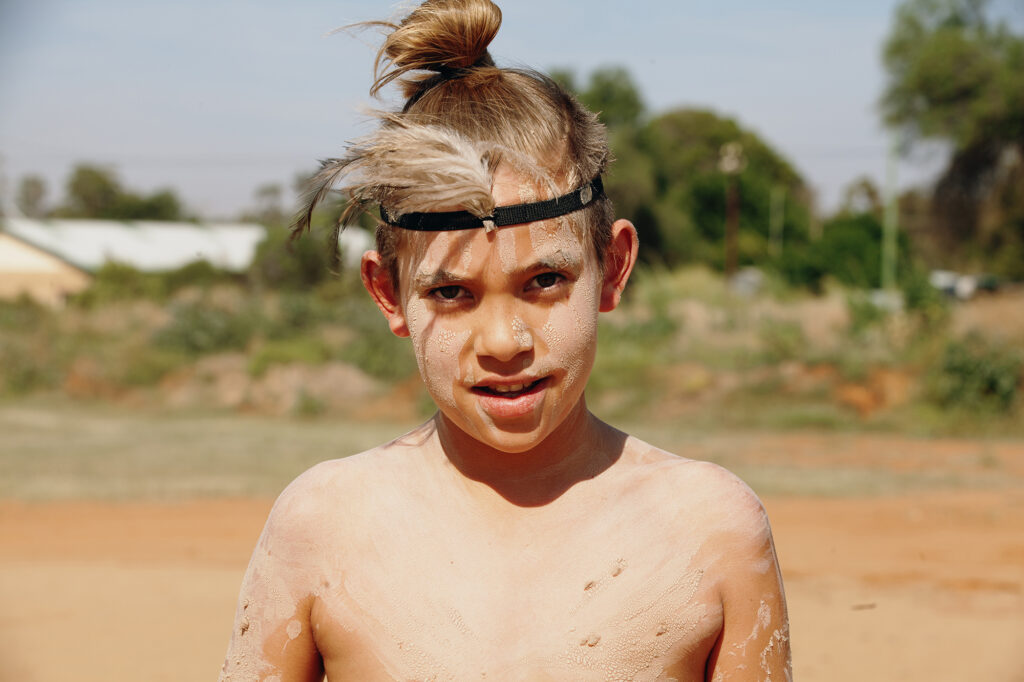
(514, 536)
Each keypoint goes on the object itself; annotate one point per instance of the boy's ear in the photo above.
(377, 280)
(619, 259)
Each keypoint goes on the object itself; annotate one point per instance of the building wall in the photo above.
(26, 270)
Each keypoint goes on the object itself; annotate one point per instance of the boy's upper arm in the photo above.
(754, 640)
(272, 637)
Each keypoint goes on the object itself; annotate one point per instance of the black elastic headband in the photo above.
(503, 215)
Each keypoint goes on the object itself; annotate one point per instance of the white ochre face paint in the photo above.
(503, 325)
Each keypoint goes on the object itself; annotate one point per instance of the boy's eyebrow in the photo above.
(429, 280)
(557, 261)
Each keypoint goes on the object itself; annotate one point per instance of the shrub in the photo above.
(782, 340)
(864, 313)
(923, 300)
(200, 273)
(23, 314)
(373, 348)
(304, 349)
(849, 251)
(146, 365)
(976, 375)
(283, 263)
(198, 328)
(24, 369)
(308, 405)
(119, 282)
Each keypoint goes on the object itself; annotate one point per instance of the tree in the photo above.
(31, 196)
(689, 188)
(95, 192)
(667, 180)
(610, 92)
(281, 262)
(954, 75)
(161, 205)
(957, 75)
(92, 192)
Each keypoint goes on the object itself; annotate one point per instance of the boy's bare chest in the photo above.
(588, 600)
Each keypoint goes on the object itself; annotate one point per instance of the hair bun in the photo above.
(441, 36)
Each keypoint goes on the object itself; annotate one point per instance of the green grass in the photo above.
(54, 449)
(759, 457)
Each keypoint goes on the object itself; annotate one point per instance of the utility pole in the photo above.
(777, 219)
(890, 223)
(3, 189)
(731, 162)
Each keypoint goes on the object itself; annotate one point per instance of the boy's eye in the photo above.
(448, 293)
(547, 280)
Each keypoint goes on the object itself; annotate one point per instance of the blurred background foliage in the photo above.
(807, 335)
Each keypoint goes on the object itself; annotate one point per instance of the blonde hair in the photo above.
(463, 116)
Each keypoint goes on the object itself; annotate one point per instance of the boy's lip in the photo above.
(510, 398)
(509, 387)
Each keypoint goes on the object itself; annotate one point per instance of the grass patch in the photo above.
(307, 350)
(60, 450)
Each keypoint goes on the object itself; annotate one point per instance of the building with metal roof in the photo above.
(50, 259)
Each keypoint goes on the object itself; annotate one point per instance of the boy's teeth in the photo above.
(509, 389)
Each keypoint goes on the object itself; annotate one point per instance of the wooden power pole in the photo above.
(731, 162)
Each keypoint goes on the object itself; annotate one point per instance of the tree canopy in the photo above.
(956, 74)
(94, 191)
(31, 196)
(668, 181)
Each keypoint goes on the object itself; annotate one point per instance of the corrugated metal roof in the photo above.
(146, 245)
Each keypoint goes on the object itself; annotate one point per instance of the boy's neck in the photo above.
(579, 449)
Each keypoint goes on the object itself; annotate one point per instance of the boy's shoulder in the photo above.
(685, 489)
(343, 490)
(690, 478)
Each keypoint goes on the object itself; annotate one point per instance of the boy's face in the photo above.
(504, 325)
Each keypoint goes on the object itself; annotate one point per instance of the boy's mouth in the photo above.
(510, 390)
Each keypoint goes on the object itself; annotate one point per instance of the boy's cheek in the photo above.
(438, 351)
(570, 334)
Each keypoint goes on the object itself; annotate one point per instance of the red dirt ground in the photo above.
(919, 587)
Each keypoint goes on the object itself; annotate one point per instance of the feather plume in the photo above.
(407, 167)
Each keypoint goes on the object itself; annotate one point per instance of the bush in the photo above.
(23, 314)
(923, 300)
(303, 349)
(782, 340)
(976, 376)
(200, 273)
(283, 263)
(864, 313)
(373, 348)
(849, 251)
(198, 328)
(24, 369)
(119, 282)
(146, 365)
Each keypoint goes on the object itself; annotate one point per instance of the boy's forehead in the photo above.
(550, 242)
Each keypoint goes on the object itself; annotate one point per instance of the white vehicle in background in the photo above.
(961, 287)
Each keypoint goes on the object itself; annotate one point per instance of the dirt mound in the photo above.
(224, 381)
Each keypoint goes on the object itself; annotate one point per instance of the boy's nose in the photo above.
(503, 335)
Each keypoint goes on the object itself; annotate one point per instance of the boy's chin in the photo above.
(511, 437)
(505, 438)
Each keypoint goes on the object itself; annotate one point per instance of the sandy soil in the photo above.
(924, 586)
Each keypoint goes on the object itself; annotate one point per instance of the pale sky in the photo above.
(217, 97)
